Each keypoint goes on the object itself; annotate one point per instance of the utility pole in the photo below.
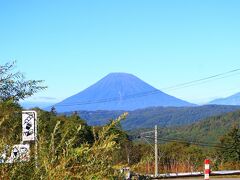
(156, 153)
(155, 149)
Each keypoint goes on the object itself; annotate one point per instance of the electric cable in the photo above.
(147, 93)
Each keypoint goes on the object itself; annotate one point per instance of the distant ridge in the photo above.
(231, 100)
(161, 116)
(119, 91)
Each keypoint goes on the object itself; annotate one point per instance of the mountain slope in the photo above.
(162, 116)
(231, 100)
(118, 91)
(207, 130)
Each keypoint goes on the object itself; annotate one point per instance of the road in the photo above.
(223, 178)
(215, 175)
(211, 178)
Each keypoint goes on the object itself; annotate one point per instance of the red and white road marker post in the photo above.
(207, 169)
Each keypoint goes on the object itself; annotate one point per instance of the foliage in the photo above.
(13, 85)
(231, 143)
(180, 157)
(68, 149)
(173, 157)
(66, 160)
(9, 116)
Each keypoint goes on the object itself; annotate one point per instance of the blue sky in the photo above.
(72, 44)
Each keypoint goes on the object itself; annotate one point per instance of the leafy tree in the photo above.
(53, 110)
(122, 155)
(13, 85)
(231, 144)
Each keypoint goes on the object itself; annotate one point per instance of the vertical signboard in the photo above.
(20, 153)
(29, 125)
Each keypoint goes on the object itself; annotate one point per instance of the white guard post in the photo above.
(207, 169)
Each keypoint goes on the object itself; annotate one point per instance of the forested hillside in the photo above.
(208, 130)
(162, 116)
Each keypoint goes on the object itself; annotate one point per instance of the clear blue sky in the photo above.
(71, 44)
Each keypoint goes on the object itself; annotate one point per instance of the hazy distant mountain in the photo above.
(118, 91)
(231, 100)
(28, 105)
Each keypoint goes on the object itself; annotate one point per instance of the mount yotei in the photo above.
(118, 91)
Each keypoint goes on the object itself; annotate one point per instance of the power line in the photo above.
(147, 93)
(180, 140)
(202, 79)
(191, 142)
(202, 82)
